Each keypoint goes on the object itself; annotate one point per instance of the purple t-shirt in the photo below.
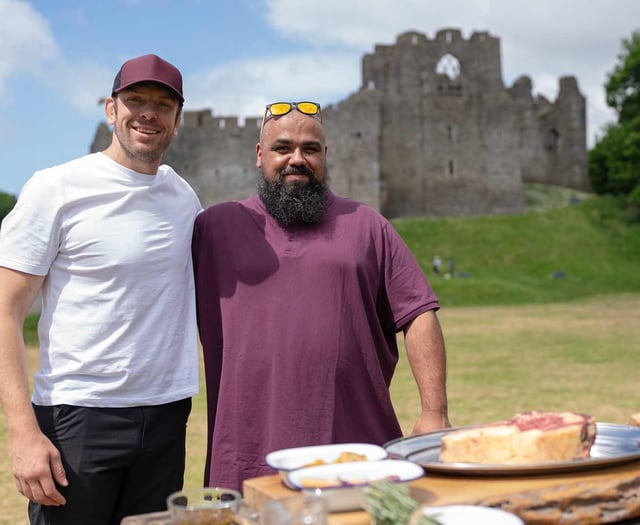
(298, 328)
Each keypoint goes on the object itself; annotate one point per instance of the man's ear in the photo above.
(258, 156)
(110, 110)
(178, 122)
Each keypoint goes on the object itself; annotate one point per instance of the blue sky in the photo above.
(58, 57)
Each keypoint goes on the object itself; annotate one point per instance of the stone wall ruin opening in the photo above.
(552, 139)
(448, 65)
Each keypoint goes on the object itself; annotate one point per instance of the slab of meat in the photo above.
(528, 437)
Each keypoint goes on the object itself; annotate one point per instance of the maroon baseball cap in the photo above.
(149, 68)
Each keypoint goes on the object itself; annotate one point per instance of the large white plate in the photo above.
(289, 459)
(614, 444)
(468, 515)
(354, 477)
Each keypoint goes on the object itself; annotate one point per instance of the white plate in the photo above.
(289, 459)
(354, 476)
(469, 514)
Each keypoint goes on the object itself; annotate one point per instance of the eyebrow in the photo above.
(289, 142)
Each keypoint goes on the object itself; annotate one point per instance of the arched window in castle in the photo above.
(552, 139)
(448, 69)
(448, 65)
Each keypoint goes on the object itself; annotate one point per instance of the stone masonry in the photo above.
(432, 131)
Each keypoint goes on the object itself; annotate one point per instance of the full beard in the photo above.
(297, 203)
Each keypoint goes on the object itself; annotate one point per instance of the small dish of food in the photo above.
(341, 484)
(289, 459)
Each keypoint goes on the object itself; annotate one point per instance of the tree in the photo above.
(614, 162)
(623, 87)
(7, 203)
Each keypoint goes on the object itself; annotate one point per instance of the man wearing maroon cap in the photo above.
(106, 240)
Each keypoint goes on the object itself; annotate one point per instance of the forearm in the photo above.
(14, 387)
(16, 296)
(427, 357)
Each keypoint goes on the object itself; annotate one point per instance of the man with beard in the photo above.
(106, 238)
(300, 295)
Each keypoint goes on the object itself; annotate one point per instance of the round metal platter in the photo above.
(614, 444)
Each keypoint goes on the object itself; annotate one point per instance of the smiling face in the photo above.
(145, 118)
(290, 147)
(291, 157)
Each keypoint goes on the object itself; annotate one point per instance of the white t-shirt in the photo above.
(118, 323)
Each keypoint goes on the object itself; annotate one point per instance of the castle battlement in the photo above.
(205, 119)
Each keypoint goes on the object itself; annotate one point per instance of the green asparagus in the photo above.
(391, 504)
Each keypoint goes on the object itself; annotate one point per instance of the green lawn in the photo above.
(579, 356)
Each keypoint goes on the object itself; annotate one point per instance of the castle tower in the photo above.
(443, 143)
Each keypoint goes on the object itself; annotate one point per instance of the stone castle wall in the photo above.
(431, 131)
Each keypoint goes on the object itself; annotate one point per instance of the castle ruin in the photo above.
(432, 131)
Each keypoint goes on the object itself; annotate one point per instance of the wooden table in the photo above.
(610, 495)
(607, 495)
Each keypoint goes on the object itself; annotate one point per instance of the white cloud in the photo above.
(355, 24)
(543, 40)
(27, 42)
(243, 88)
(84, 84)
(29, 48)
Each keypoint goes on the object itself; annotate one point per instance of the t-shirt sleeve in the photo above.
(30, 233)
(408, 291)
(189, 189)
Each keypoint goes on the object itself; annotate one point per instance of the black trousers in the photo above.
(119, 461)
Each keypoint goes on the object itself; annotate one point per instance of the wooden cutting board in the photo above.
(602, 495)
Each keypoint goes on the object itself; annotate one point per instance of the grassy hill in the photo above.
(565, 249)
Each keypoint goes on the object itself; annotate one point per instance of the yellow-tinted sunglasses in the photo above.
(278, 109)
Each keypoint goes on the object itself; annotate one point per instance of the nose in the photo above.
(297, 158)
(149, 111)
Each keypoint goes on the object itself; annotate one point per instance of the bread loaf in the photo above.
(528, 437)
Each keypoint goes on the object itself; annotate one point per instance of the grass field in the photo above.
(516, 339)
(579, 355)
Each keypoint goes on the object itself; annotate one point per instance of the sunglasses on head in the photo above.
(278, 109)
